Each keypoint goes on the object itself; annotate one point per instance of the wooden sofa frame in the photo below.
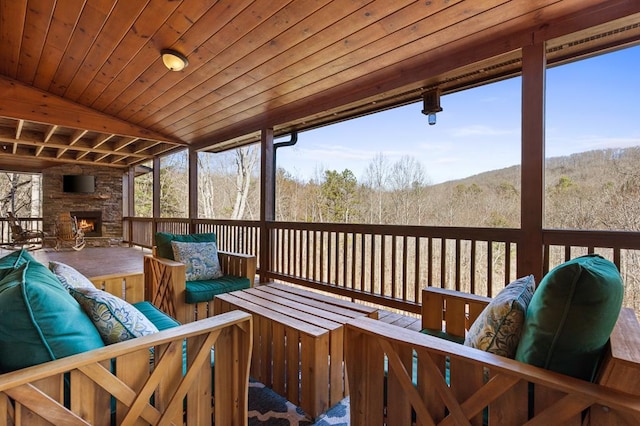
(462, 385)
(165, 283)
(122, 381)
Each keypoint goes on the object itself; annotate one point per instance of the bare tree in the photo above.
(377, 177)
(407, 181)
(246, 158)
(17, 194)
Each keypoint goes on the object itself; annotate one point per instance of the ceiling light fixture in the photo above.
(173, 60)
(431, 105)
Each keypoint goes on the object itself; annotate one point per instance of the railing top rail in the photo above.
(585, 238)
(488, 234)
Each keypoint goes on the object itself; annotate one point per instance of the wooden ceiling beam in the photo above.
(62, 148)
(26, 157)
(50, 131)
(101, 139)
(19, 101)
(124, 143)
(77, 135)
(19, 126)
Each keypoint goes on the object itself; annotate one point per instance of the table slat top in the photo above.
(329, 300)
(248, 306)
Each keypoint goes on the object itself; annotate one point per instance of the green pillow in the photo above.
(16, 258)
(163, 242)
(571, 316)
(499, 326)
(39, 320)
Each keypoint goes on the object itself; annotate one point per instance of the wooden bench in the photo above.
(462, 385)
(310, 372)
(129, 287)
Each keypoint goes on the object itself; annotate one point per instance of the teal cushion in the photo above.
(571, 316)
(16, 258)
(443, 335)
(39, 320)
(200, 259)
(204, 291)
(499, 326)
(161, 320)
(163, 241)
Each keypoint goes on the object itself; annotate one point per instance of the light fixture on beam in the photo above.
(431, 105)
(173, 60)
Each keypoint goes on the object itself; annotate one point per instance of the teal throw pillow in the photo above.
(69, 276)
(39, 320)
(571, 316)
(201, 260)
(163, 241)
(115, 319)
(499, 326)
(16, 258)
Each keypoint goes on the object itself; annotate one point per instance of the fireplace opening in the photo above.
(90, 222)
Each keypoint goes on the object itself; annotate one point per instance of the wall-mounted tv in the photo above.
(83, 184)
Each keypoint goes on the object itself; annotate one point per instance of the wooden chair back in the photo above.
(450, 311)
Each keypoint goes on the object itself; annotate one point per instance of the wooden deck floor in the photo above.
(98, 261)
(94, 261)
(404, 321)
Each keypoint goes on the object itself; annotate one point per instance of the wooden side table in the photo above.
(297, 341)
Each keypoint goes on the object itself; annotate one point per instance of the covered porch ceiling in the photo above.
(83, 81)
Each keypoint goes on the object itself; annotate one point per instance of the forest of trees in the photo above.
(590, 190)
(21, 194)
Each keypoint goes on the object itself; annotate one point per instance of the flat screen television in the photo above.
(82, 184)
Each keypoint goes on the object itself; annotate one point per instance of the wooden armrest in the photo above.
(165, 285)
(621, 366)
(450, 311)
(238, 264)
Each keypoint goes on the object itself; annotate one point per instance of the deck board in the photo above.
(399, 320)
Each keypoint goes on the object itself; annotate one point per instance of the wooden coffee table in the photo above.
(297, 341)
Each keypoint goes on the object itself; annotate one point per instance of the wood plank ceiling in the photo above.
(82, 80)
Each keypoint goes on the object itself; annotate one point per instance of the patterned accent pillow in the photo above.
(69, 277)
(499, 326)
(115, 319)
(201, 260)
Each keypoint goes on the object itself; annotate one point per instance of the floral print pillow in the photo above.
(499, 326)
(115, 319)
(201, 260)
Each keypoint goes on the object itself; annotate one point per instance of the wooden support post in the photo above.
(267, 201)
(193, 188)
(530, 249)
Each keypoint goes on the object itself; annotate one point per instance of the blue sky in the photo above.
(591, 104)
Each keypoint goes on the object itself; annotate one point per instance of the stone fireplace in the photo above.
(100, 210)
(90, 222)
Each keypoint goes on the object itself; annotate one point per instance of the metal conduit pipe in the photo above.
(290, 142)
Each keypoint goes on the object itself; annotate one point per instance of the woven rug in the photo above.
(267, 408)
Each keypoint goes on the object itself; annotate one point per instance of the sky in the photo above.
(591, 104)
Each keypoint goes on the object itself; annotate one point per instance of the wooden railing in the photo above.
(388, 265)
(30, 223)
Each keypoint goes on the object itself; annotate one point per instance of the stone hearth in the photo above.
(106, 201)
